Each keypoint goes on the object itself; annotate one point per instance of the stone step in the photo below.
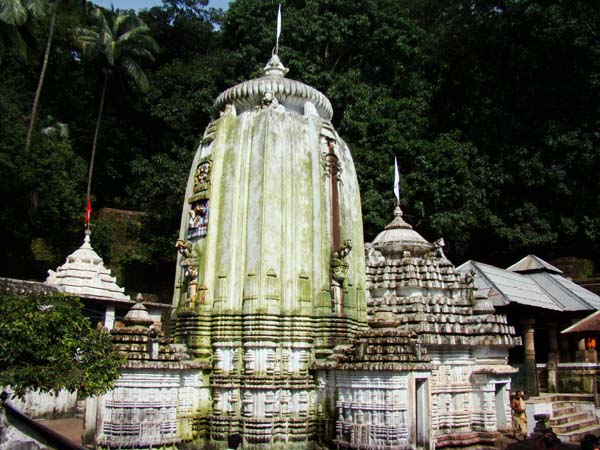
(575, 426)
(564, 411)
(577, 435)
(568, 418)
(569, 403)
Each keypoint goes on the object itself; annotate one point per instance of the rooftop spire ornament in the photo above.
(396, 181)
(278, 33)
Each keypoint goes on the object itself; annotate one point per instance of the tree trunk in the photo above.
(38, 91)
(89, 183)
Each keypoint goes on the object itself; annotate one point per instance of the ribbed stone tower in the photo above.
(268, 281)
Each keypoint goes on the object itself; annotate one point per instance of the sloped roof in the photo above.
(569, 295)
(532, 282)
(532, 263)
(589, 324)
(505, 287)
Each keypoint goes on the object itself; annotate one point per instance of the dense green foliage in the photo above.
(490, 106)
(57, 346)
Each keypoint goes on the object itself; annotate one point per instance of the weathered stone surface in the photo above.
(267, 280)
(433, 365)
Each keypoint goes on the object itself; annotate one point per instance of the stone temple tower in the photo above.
(271, 269)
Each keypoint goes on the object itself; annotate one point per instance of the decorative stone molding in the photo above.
(290, 93)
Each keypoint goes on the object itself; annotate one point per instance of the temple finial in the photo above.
(278, 33)
(397, 182)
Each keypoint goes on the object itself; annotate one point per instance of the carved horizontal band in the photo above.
(290, 93)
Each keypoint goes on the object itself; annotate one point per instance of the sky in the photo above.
(141, 4)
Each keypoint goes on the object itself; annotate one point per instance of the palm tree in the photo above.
(120, 40)
(38, 90)
(15, 19)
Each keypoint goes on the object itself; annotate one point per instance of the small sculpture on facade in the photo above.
(470, 279)
(202, 176)
(198, 219)
(339, 271)
(344, 250)
(438, 248)
(184, 248)
(374, 257)
(269, 101)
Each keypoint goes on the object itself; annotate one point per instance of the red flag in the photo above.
(88, 211)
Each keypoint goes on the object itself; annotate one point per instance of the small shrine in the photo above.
(84, 275)
(431, 370)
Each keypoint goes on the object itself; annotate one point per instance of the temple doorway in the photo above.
(422, 413)
(501, 402)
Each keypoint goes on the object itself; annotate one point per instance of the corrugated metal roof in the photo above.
(507, 287)
(540, 285)
(533, 263)
(571, 296)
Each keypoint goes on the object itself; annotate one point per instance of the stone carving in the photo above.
(374, 258)
(438, 251)
(344, 250)
(202, 176)
(339, 272)
(331, 163)
(269, 101)
(470, 279)
(198, 219)
(184, 248)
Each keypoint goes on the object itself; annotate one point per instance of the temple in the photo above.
(289, 330)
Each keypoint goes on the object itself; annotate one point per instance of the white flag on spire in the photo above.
(396, 180)
(278, 27)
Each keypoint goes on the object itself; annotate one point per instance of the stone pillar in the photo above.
(580, 353)
(530, 378)
(553, 354)
(563, 344)
(109, 317)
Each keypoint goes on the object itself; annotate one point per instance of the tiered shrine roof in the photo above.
(84, 275)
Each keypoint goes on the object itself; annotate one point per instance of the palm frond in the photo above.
(142, 53)
(88, 39)
(123, 23)
(133, 33)
(135, 72)
(13, 12)
(37, 8)
(101, 19)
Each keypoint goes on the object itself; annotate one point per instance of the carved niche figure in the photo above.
(470, 279)
(202, 176)
(184, 248)
(190, 272)
(438, 248)
(198, 219)
(269, 101)
(339, 271)
(374, 257)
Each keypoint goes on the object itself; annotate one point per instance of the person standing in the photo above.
(519, 417)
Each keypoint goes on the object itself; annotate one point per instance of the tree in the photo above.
(15, 20)
(38, 92)
(47, 344)
(120, 43)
